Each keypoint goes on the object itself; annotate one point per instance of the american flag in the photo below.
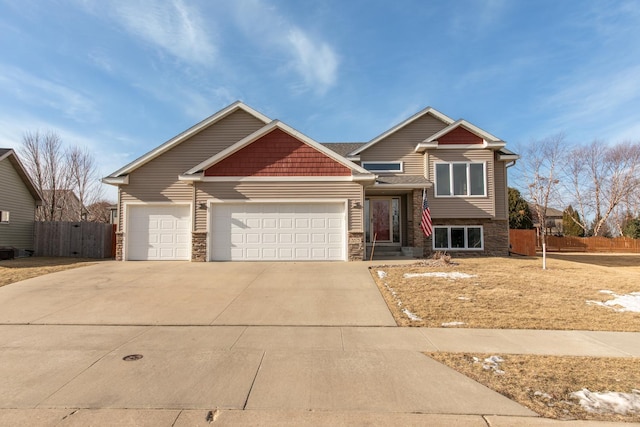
(425, 222)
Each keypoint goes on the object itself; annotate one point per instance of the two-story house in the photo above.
(240, 186)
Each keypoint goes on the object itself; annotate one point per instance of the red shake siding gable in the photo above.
(278, 154)
(459, 135)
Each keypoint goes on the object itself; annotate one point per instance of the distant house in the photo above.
(18, 201)
(553, 224)
(67, 207)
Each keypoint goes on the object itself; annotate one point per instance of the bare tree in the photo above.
(540, 174)
(67, 179)
(601, 178)
(84, 178)
(43, 157)
(100, 211)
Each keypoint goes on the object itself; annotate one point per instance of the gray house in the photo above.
(18, 201)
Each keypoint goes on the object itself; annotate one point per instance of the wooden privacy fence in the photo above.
(522, 242)
(592, 244)
(74, 239)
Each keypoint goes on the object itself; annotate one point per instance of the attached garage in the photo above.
(158, 233)
(278, 232)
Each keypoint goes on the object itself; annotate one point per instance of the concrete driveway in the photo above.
(178, 293)
(264, 343)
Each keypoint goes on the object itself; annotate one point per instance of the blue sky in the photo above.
(122, 77)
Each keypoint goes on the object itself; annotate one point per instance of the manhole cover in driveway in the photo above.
(132, 357)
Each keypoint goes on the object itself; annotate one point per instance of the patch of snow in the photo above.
(620, 303)
(452, 275)
(542, 395)
(411, 316)
(447, 324)
(464, 298)
(609, 402)
(492, 363)
(382, 274)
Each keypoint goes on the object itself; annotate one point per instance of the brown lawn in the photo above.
(544, 384)
(514, 292)
(15, 270)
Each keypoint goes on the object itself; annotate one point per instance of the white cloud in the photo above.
(173, 26)
(313, 59)
(39, 92)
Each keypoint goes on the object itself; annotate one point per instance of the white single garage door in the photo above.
(278, 232)
(158, 233)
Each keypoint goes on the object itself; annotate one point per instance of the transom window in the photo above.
(460, 179)
(4, 216)
(382, 166)
(458, 237)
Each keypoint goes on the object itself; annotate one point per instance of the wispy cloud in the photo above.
(172, 26)
(314, 60)
(39, 92)
(477, 17)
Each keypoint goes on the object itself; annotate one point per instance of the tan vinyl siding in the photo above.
(502, 202)
(157, 181)
(400, 145)
(280, 190)
(17, 200)
(463, 207)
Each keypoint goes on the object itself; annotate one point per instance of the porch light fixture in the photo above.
(202, 206)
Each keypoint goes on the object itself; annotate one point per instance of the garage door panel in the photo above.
(287, 231)
(158, 233)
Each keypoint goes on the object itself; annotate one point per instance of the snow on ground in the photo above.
(452, 275)
(464, 298)
(609, 402)
(411, 315)
(382, 274)
(620, 303)
(448, 324)
(491, 363)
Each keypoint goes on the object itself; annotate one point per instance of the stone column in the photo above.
(356, 246)
(199, 246)
(119, 245)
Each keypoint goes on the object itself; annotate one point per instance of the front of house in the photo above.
(239, 186)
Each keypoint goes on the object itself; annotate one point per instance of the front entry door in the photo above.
(381, 220)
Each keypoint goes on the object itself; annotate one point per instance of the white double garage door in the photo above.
(241, 232)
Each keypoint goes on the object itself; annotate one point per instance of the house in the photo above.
(18, 201)
(240, 186)
(554, 221)
(63, 205)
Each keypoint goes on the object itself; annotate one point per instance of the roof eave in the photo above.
(116, 180)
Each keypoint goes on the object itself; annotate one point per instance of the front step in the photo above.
(385, 252)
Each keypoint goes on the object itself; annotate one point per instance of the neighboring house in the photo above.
(18, 201)
(240, 186)
(554, 223)
(67, 206)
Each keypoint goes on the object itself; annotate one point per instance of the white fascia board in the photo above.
(7, 154)
(349, 178)
(421, 147)
(116, 180)
(238, 105)
(504, 157)
(263, 131)
(429, 110)
(353, 158)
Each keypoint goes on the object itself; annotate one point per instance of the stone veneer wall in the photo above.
(199, 246)
(119, 243)
(356, 246)
(495, 233)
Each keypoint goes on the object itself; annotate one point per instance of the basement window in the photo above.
(4, 217)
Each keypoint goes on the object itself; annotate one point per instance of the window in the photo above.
(458, 237)
(382, 166)
(4, 216)
(460, 179)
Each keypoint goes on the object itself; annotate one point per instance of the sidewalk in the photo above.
(268, 375)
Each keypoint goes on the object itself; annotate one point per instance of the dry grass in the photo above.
(15, 270)
(515, 293)
(544, 383)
